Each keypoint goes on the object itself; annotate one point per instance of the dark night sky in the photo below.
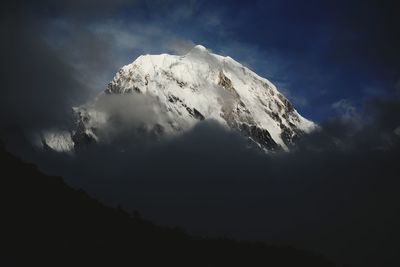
(337, 61)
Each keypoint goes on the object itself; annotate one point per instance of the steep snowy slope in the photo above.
(180, 91)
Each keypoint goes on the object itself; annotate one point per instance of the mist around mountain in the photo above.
(335, 194)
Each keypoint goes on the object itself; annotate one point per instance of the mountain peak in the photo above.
(182, 90)
(199, 48)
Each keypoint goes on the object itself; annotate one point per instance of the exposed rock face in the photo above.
(259, 136)
(183, 90)
(226, 83)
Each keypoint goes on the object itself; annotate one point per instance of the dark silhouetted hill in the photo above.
(47, 223)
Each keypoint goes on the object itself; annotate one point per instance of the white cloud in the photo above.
(347, 112)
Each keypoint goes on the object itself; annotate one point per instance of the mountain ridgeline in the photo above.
(166, 95)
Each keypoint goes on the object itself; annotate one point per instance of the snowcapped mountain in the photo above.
(166, 95)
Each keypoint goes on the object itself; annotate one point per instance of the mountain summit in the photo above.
(169, 94)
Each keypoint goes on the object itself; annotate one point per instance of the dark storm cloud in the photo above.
(39, 83)
(37, 86)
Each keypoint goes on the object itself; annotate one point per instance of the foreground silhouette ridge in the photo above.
(51, 224)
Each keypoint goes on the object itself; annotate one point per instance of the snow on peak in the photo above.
(169, 94)
(200, 48)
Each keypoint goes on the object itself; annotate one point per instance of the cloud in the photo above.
(122, 120)
(338, 185)
(40, 84)
(397, 131)
(346, 110)
(35, 79)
